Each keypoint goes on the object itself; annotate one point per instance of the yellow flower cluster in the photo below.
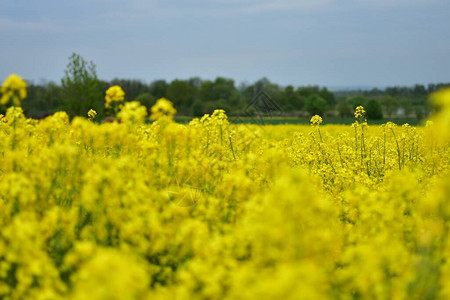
(114, 94)
(359, 112)
(13, 88)
(316, 120)
(91, 114)
(133, 112)
(441, 100)
(214, 210)
(163, 108)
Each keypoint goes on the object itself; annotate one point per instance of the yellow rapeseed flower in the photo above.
(133, 112)
(163, 108)
(316, 120)
(91, 114)
(441, 102)
(15, 88)
(359, 112)
(114, 94)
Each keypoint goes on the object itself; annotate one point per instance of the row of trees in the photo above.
(81, 90)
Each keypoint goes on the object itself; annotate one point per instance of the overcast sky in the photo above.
(299, 42)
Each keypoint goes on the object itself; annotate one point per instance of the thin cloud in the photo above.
(254, 6)
(396, 3)
(8, 25)
(286, 5)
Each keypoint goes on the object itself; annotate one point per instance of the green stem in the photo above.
(232, 150)
(398, 150)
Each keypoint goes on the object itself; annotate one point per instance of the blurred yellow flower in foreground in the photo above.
(440, 100)
(114, 94)
(162, 108)
(133, 112)
(15, 88)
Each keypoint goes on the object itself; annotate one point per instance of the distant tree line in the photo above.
(80, 90)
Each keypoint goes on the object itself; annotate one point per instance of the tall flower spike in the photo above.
(359, 112)
(316, 120)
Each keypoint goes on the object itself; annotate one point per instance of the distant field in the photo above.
(294, 120)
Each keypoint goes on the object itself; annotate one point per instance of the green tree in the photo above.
(260, 85)
(220, 104)
(206, 92)
(221, 91)
(195, 82)
(390, 105)
(328, 96)
(373, 110)
(223, 88)
(316, 105)
(419, 90)
(131, 87)
(197, 108)
(407, 106)
(356, 101)
(146, 99)
(158, 88)
(290, 99)
(344, 109)
(181, 93)
(307, 91)
(81, 88)
(42, 100)
(419, 112)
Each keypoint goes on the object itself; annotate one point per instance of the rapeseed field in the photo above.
(213, 210)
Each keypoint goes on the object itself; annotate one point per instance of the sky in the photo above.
(330, 43)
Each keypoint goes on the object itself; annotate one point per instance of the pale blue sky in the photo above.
(299, 42)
